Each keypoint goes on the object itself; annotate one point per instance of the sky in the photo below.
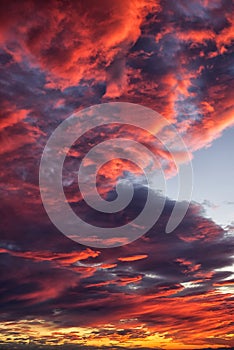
(213, 179)
(159, 291)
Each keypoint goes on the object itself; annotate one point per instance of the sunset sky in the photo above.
(160, 291)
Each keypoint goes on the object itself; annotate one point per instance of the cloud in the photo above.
(168, 58)
(72, 41)
(178, 68)
(133, 258)
(174, 57)
(168, 283)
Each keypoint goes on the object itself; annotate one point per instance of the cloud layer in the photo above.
(158, 289)
(175, 57)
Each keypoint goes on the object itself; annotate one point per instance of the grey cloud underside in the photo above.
(197, 240)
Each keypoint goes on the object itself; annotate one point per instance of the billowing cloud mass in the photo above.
(56, 57)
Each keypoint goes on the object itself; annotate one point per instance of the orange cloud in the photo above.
(133, 258)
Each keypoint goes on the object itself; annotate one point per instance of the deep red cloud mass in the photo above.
(58, 56)
(71, 40)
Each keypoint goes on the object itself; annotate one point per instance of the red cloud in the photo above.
(57, 56)
(74, 41)
(59, 258)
